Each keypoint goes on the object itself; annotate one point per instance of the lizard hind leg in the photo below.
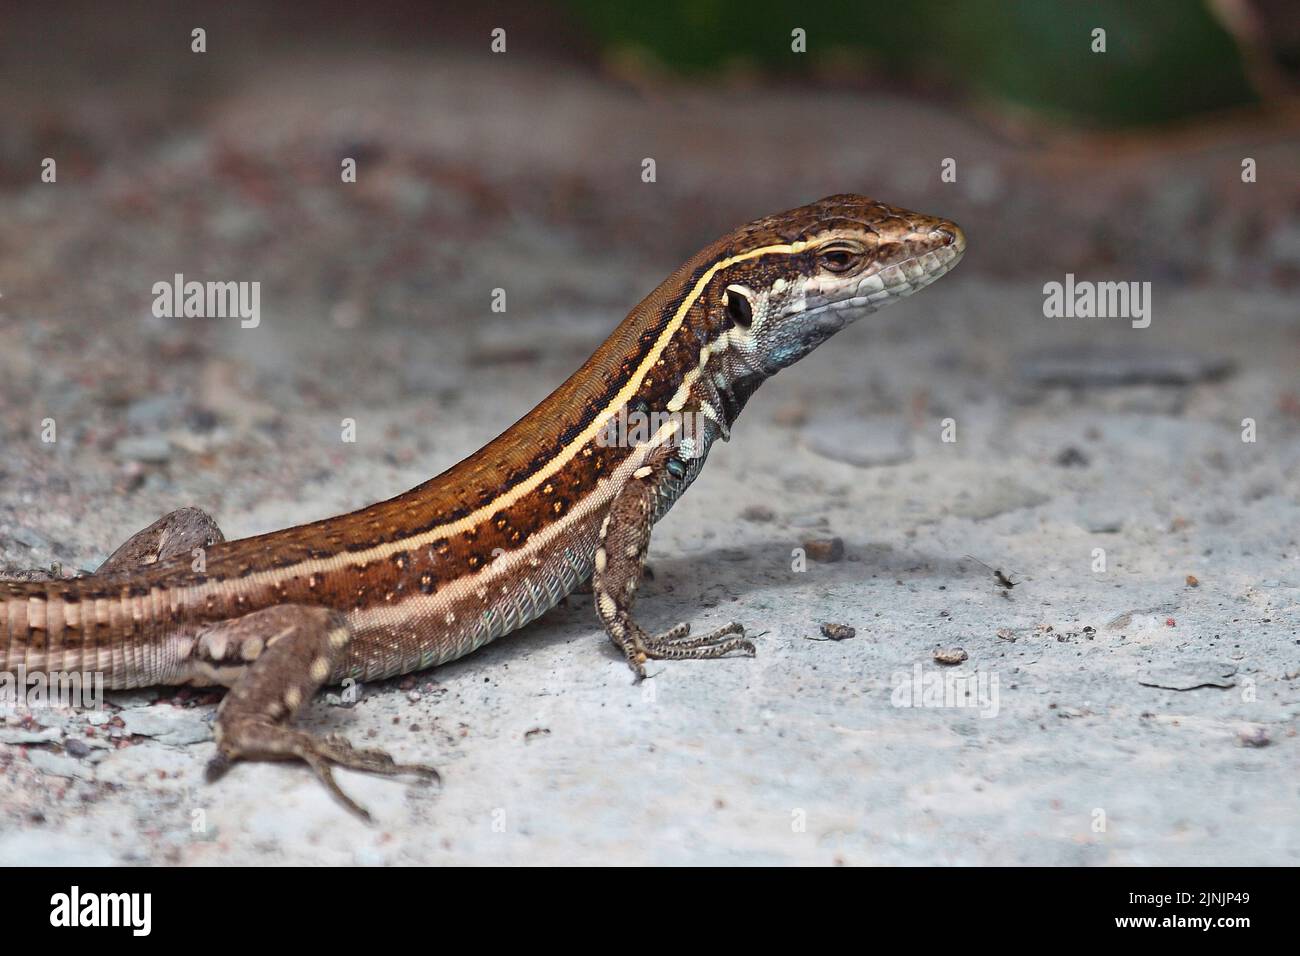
(177, 532)
(283, 654)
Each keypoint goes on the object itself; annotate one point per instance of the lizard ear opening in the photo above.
(739, 311)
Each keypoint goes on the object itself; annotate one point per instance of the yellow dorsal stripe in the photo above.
(475, 518)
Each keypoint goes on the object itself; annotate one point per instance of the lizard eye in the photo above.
(739, 311)
(837, 260)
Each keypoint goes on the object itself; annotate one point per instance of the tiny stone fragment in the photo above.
(838, 632)
(824, 549)
(1253, 736)
(1071, 457)
(1189, 675)
(166, 724)
(59, 765)
(36, 735)
(948, 656)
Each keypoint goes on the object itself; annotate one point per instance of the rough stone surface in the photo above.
(168, 725)
(58, 765)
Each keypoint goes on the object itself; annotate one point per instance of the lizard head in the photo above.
(797, 278)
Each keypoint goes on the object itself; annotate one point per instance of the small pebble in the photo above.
(949, 656)
(838, 632)
(1253, 736)
(824, 549)
(1071, 457)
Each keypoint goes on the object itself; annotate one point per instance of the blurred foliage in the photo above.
(1164, 58)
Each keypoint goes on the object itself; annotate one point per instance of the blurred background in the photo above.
(522, 171)
(1067, 158)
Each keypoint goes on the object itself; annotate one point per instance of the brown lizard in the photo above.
(569, 492)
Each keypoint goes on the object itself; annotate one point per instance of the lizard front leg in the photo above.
(620, 556)
(278, 658)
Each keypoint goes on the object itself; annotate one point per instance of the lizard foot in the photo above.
(619, 562)
(262, 740)
(676, 644)
(281, 656)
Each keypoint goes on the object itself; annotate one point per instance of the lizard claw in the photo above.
(677, 644)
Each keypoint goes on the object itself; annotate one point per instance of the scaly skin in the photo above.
(498, 539)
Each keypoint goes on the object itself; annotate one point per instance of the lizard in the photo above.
(558, 499)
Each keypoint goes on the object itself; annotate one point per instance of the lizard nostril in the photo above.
(952, 235)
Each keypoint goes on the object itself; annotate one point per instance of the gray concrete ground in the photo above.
(1135, 692)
